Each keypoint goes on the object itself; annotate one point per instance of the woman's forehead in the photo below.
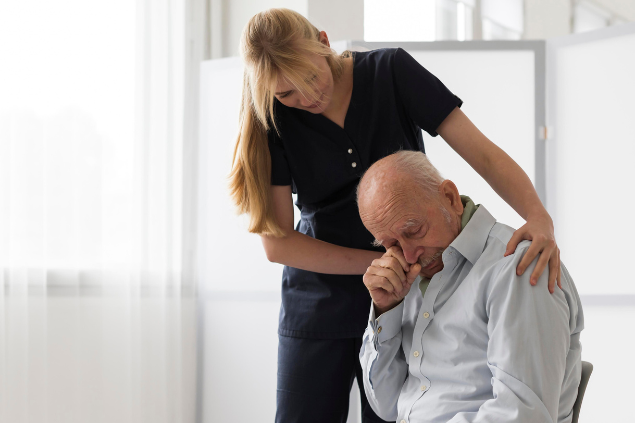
(283, 84)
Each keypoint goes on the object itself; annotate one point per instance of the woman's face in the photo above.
(288, 95)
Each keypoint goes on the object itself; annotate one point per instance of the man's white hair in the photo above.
(415, 165)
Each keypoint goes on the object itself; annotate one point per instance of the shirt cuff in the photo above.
(388, 325)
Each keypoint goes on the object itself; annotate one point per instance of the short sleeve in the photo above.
(426, 100)
(280, 174)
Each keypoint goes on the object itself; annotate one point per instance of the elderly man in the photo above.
(471, 341)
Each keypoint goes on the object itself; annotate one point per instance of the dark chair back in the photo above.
(587, 369)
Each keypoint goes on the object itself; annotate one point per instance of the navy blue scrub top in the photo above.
(393, 98)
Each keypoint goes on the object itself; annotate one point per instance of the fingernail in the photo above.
(533, 281)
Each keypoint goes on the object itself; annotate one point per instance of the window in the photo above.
(436, 20)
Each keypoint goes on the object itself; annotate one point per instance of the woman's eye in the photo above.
(285, 95)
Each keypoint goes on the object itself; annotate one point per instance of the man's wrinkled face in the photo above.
(422, 228)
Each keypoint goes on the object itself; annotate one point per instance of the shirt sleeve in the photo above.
(528, 350)
(280, 173)
(383, 361)
(426, 100)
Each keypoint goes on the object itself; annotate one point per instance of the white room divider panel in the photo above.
(239, 290)
(591, 172)
(591, 177)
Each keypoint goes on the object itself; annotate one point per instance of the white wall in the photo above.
(340, 19)
(547, 18)
(236, 14)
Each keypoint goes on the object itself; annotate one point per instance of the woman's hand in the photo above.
(539, 231)
(389, 279)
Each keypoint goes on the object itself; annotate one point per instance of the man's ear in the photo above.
(450, 195)
(324, 39)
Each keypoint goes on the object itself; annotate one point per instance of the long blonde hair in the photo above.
(276, 42)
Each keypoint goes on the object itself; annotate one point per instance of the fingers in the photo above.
(391, 263)
(413, 273)
(554, 267)
(397, 253)
(559, 271)
(543, 260)
(386, 279)
(516, 238)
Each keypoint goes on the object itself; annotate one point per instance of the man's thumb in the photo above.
(414, 271)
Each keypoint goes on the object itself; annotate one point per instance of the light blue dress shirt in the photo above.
(482, 344)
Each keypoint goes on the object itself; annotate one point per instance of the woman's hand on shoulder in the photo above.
(539, 230)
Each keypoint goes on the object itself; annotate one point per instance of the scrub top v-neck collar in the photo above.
(332, 130)
(348, 135)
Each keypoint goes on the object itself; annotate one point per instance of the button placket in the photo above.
(354, 159)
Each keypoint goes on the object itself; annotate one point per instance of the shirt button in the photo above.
(379, 329)
(424, 387)
(426, 314)
(354, 164)
(350, 151)
(416, 354)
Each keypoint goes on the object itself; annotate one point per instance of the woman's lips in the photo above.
(317, 103)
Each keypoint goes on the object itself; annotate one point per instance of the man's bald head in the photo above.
(401, 173)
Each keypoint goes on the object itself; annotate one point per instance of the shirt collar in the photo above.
(471, 241)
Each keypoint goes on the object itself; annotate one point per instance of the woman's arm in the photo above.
(303, 252)
(513, 185)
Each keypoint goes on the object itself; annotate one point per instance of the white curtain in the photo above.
(97, 136)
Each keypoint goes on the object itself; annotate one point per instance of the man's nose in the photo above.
(411, 252)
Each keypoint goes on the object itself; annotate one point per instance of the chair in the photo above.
(587, 369)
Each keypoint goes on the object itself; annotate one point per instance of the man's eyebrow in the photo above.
(410, 223)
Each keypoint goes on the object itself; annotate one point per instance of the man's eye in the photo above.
(420, 232)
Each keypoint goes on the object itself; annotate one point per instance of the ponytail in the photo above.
(274, 42)
(250, 177)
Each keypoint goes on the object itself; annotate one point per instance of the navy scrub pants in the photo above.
(315, 377)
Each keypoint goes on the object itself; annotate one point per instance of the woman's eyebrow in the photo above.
(283, 92)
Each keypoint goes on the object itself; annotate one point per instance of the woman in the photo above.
(311, 123)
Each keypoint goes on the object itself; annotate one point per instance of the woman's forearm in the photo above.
(500, 171)
(512, 184)
(303, 252)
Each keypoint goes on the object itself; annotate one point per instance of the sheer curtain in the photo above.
(97, 109)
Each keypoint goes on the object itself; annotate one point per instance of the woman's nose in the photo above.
(305, 102)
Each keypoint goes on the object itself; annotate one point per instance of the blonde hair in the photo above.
(276, 42)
